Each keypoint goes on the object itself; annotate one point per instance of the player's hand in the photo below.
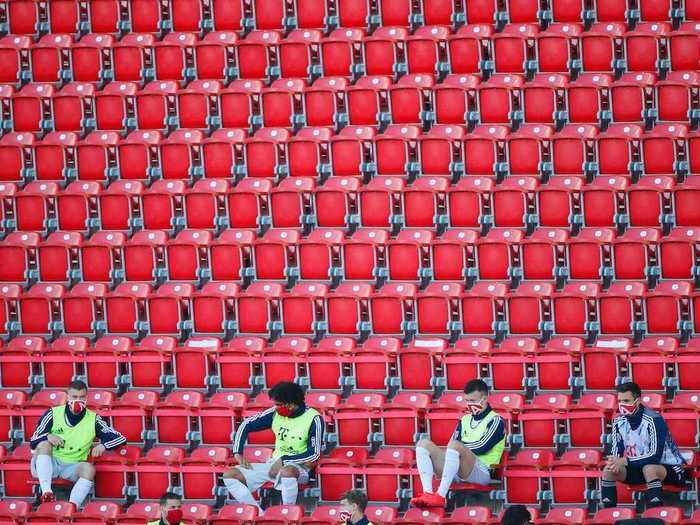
(98, 450)
(56, 441)
(275, 469)
(242, 462)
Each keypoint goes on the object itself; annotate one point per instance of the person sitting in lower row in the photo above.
(298, 433)
(476, 445)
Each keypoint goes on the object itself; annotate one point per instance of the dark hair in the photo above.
(77, 385)
(287, 393)
(629, 387)
(357, 497)
(169, 495)
(516, 515)
(476, 385)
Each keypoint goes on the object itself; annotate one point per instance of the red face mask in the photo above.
(77, 406)
(174, 516)
(344, 516)
(284, 411)
(627, 409)
(474, 408)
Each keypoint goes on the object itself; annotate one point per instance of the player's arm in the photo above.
(495, 432)
(261, 421)
(43, 429)
(457, 435)
(313, 445)
(108, 436)
(657, 432)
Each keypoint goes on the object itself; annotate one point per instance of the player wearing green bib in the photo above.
(298, 433)
(63, 442)
(170, 510)
(476, 445)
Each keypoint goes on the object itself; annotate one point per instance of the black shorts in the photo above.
(675, 475)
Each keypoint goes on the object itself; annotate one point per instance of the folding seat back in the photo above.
(426, 50)
(54, 156)
(325, 102)
(132, 56)
(529, 150)
(573, 150)
(124, 307)
(515, 48)
(353, 14)
(39, 309)
(437, 309)
(619, 149)
(368, 103)
(237, 361)
(72, 106)
(684, 46)
(258, 308)
(147, 16)
(227, 16)
(276, 254)
(663, 149)
(114, 105)
(679, 254)
(496, 254)
(282, 102)
(31, 108)
(409, 255)
(441, 153)
(681, 418)
(255, 53)
(486, 306)
(694, 153)
(303, 309)
(544, 254)
(105, 17)
(650, 201)
(558, 48)
(588, 98)
(390, 308)
(670, 515)
(646, 45)
(604, 201)
(341, 52)
(240, 103)
(364, 254)
(16, 160)
(230, 256)
(284, 361)
(602, 47)
(80, 307)
(453, 255)
(667, 308)
(187, 255)
(620, 308)
(308, 152)
(320, 255)
(291, 203)
(602, 363)
(35, 206)
(19, 255)
(558, 365)
(657, 11)
(635, 253)
(425, 202)
(151, 361)
(523, 475)
(380, 202)
(76, 206)
(514, 201)
(325, 368)
(15, 511)
(194, 361)
(395, 149)
(559, 202)
(410, 99)
(386, 472)
(222, 153)
(218, 417)
(545, 98)
(677, 96)
(144, 256)
(173, 417)
(470, 48)
(455, 98)
(575, 309)
(588, 420)
(632, 97)
(167, 309)
(215, 55)
(96, 156)
(265, 153)
(49, 57)
(347, 309)
(155, 103)
(198, 105)
(485, 152)
(499, 99)
(155, 470)
(160, 204)
(299, 53)
(8, 307)
(58, 257)
(14, 58)
(648, 364)
(540, 419)
(205, 204)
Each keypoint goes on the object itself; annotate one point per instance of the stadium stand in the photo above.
(376, 199)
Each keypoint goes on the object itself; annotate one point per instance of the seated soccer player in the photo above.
(298, 433)
(643, 450)
(476, 445)
(170, 510)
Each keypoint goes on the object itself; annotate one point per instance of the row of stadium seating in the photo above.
(33, 18)
(391, 51)
(550, 99)
(520, 364)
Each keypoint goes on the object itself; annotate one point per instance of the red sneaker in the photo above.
(428, 499)
(47, 497)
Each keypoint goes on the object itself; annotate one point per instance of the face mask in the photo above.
(174, 516)
(284, 411)
(77, 406)
(344, 516)
(474, 407)
(627, 409)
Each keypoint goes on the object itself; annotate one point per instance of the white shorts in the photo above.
(480, 475)
(258, 474)
(61, 469)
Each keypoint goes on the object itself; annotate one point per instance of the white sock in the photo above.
(80, 491)
(290, 489)
(240, 492)
(449, 472)
(44, 471)
(425, 468)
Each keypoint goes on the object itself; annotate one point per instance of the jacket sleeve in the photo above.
(261, 421)
(313, 445)
(108, 436)
(495, 432)
(43, 429)
(457, 436)
(618, 445)
(657, 432)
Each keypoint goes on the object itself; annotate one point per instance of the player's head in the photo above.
(77, 396)
(477, 394)
(352, 505)
(287, 397)
(171, 508)
(628, 398)
(516, 515)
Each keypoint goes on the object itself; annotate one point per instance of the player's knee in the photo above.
(289, 472)
(235, 474)
(609, 475)
(652, 472)
(44, 448)
(425, 443)
(456, 445)
(86, 471)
